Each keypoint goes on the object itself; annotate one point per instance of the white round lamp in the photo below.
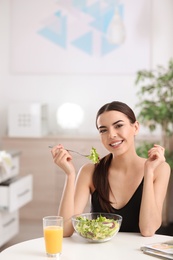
(69, 116)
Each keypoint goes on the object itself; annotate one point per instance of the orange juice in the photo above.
(53, 239)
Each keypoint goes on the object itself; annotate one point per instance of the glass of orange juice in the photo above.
(53, 235)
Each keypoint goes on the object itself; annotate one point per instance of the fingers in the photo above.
(157, 151)
(159, 147)
(60, 154)
(56, 149)
(63, 159)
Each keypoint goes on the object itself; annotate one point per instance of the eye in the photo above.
(118, 125)
(102, 131)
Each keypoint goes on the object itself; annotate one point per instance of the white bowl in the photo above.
(97, 227)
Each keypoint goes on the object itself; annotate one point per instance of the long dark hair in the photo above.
(100, 175)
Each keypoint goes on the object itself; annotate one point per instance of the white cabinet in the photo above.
(15, 192)
(9, 226)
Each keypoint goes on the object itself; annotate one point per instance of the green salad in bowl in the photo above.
(97, 227)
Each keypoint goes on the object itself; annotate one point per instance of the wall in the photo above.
(88, 91)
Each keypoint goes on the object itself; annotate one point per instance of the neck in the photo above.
(125, 161)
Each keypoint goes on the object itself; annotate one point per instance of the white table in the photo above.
(122, 247)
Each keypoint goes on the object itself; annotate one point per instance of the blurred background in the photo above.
(89, 90)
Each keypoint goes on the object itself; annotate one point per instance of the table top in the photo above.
(123, 246)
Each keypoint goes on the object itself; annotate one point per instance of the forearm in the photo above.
(66, 208)
(150, 213)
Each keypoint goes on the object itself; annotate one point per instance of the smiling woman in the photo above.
(121, 182)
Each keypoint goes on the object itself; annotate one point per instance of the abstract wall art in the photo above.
(80, 36)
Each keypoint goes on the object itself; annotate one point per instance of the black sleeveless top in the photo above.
(130, 212)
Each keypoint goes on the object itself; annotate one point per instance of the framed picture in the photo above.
(80, 36)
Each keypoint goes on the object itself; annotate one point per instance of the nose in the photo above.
(112, 133)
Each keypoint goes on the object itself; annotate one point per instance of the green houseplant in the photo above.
(155, 103)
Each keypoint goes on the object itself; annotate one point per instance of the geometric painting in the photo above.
(75, 37)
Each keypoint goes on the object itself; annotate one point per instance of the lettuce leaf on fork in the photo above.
(94, 156)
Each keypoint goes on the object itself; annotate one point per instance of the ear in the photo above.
(136, 128)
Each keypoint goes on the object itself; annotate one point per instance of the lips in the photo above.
(115, 144)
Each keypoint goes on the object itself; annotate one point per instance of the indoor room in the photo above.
(60, 62)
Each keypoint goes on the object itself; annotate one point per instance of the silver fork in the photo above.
(85, 155)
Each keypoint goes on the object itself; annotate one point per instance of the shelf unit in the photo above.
(15, 192)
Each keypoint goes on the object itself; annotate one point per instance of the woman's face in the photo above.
(116, 131)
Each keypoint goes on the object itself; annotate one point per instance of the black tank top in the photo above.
(130, 212)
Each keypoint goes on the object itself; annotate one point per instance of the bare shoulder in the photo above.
(87, 169)
(85, 175)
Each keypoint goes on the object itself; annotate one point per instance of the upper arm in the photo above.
(83, 187)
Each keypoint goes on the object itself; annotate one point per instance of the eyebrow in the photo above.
(102, 126)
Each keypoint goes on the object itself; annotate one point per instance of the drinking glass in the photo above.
(53, 235)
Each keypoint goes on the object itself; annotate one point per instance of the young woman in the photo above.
(122, 182)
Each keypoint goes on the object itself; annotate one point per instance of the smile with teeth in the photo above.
(116, 143)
